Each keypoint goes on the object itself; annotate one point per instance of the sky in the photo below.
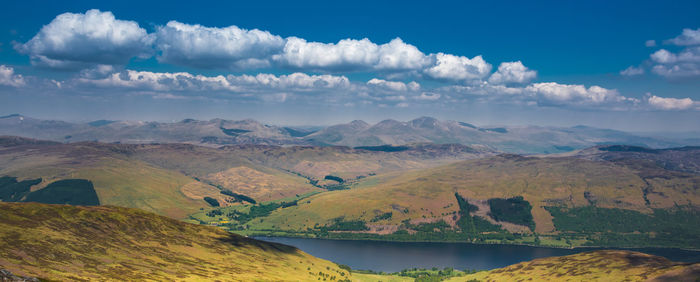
(629, 65)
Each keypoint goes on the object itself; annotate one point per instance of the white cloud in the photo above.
(677, 70)
(458, 68)
(428, 96)
(161, 81)
(210, 47)
(650, 43)
(672, 103)
(512, 72)
(686, 63)
(95, 38)
(663, 56)
(80, 40)
(351, 54)
(543, 94)
(294, 81)
(632, 71)
(183, 81)
(687, 38)
(682, 64)
(573, 94)
(9, 78)
(393, 85)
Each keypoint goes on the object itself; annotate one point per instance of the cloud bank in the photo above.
(82, 41)
(100, 46)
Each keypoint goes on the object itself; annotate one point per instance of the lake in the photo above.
(396, 256)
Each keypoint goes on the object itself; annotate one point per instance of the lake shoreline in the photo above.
(392, 256)
(476, 243)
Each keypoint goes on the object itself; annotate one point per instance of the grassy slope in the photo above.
(161, 178)
(71, 243)
(590, 266)
(117, 180)
(429, 195)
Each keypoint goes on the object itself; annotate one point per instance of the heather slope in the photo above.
(592, 266)
(110, 243)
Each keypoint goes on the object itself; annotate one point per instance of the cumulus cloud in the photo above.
(295, 81)
(183, 81)
(686, 63)
(512, 72)
(573, 94)
(351, 54)
(681, 64)
(96, 38)
(688, 37)
(393, 85)
(79, 40)
(650, 43)
(9, 78)
(543, 94)
(672, 103)
(458, 68)
(632, 71)
(210, 47)
(428, 96)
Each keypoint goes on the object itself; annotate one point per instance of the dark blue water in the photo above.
(396, 256)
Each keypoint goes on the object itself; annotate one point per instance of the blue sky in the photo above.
(632, 65)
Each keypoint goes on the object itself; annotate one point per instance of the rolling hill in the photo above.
(58, 242)
(558, 201)
(173, 179)
(606, 195)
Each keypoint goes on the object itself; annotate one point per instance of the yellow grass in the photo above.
(118, 244)
(610, 265)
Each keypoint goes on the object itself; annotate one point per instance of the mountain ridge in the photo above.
(218, 132)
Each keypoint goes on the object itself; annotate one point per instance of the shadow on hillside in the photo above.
(240, 241)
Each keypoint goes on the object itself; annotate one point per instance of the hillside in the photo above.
(592, 266)
(117, 179)
(566, 201)
(174, 179)
(110, 243)
(606, 195)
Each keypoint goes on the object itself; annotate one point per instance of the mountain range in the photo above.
(220, 132)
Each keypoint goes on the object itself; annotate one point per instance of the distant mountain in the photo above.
(217, 132)
(515, 139)
(213, 132)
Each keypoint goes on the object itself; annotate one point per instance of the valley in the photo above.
(606, 196)
(420, 192)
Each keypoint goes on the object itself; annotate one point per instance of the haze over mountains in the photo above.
(217, 132)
